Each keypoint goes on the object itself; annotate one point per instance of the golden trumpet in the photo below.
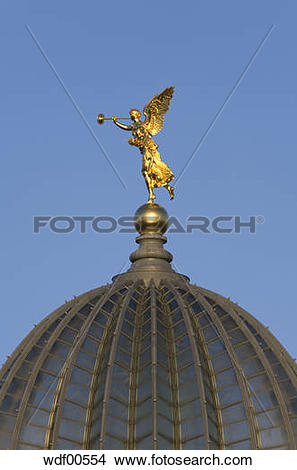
(101, 118)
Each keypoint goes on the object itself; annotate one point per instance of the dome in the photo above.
(149, 361)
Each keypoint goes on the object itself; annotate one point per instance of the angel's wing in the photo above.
(155, 109)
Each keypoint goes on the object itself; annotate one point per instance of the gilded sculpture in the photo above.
(156, 173)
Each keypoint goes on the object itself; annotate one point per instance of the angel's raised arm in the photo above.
(121, 125)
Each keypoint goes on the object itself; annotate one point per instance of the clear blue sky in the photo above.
(113, 56)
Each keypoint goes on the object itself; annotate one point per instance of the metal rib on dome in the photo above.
(149, 362)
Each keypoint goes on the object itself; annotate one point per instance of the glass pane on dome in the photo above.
(90, 346)
(252, 366)
(176, 316)
(101, 318)
(293, 406)
(145, 374)
(191, 428)
(182, 343)
(116, 408)
(33, 354)
(42, 398)
(80, 376)
(117, 427)
(173, 305)
(133, 304)
(228, 323)
(130, 315)
(72, 411)
(108, 306)
(85, 360)
(64, 444)
(164, 443)
(146, 356)
(144, 390)
(165, 407)
(215, 347)
(233, 413)
(123, 358)
(189, 297)
(145, 443)
(96, 331)
(165, 427)
(7, 423)
(247, 444)
(43, 339)
(244, 351)
(24, 370)
(220, 311)
(194, 444)
(161, 355)
(85, 310)
(128, 328)
(32, 434)
(5, 440)
(188, 391)
(261, 341)
(125, 343)
(190, 410)
(236, 432)
(186, 375)
(36, 416)
(179, 329)
(288, 388)
(197, 308)
(273, 437)
(270, 418)
(259, 383)
(225, 378)
(16, 387)
(77, 393)
(230, 395)
(210, 332)
(263, 401)
(76, 323)
(271, 356)
(146, 341)
(236, 336)
(70, 429)
(60, 350)
(280, 372)
(53, 364)
(54, 325)
(144, 427)
(222, 361)
(45, 380)
(68, 335)
(204, 319)
(144, 408)
(120, 391)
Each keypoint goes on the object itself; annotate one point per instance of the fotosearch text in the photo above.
(224, 224)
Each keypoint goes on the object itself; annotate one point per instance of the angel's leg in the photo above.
(146, 165)
(170, 189)
(149, 185)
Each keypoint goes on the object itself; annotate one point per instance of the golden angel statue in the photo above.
(156, 173)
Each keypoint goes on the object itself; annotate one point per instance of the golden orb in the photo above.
(151, 218)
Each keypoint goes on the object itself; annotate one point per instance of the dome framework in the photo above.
(149, 362)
